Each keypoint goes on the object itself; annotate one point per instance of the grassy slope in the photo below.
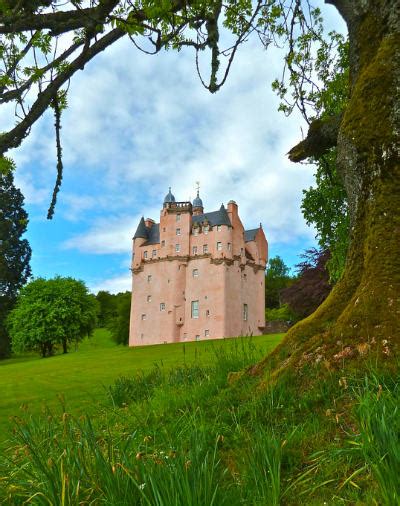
(80, 377)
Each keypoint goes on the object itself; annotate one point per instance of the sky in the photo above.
(137, 124)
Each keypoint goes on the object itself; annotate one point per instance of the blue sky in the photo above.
(137, 124)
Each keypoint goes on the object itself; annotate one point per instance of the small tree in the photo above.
(52, 312)
(312, 286)
(15, 252)
(107, 307)
(119, 325)
(276, 279)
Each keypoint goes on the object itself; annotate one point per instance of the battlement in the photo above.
(175, 207)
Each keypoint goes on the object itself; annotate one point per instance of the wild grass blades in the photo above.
(379, 439)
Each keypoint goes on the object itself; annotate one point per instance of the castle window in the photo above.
(143, 316)
(177, 248)
(178, 217)
(195, 308)
(178, 231)
(219, 228)
(229, 246)
(245, 312)
(206, 333)
(145, 254)
(149, 298)
(194, 249)
(241, 251)
(162, 244)
(196, 231)
(149, 278)
(205, 229)
(197, 338)
(207, 313)
(205, 248)
(162, 306)
(154, 253)
(219, 246)
(163, 229)
(195, 273)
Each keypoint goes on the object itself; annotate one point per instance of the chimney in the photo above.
(232, 209)
(149, 222)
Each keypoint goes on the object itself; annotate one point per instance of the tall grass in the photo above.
(189, 438)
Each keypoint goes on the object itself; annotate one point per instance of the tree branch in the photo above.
(322, 135)
(14, 137)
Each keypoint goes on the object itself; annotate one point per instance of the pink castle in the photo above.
(196, 275)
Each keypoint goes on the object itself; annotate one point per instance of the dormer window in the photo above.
(219, 228)
(205, 229)
(196, 231)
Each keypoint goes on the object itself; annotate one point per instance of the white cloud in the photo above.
(116, 284)
(136, 125)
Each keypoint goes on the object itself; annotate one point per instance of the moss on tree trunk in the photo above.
(361, 316)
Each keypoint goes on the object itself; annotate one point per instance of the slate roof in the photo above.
(153, 234)
(141, 231)
(250, 235)
(219, 217)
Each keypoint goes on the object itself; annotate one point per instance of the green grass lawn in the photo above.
(28, 383)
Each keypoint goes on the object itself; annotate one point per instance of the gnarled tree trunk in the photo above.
(363, 310)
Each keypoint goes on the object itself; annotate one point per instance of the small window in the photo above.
(219, 246)
(241, 251)
(197, 338)
(149, 278)
(229, 246)
(177, 248)
(194, 249)
(154, 253)
(163, 229)
(178, 231)
(207, 313)
(195, 273)
(178, 217)
(145, 254)
(149, 298)
(162, 306)
(162, 244)
(205, 229)
(195, 308)
(245, 312)
(143, 316)
(205, 248)
(206, 333)
(219, 228)
(196, 231)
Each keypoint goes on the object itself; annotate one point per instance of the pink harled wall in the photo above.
(167, 281)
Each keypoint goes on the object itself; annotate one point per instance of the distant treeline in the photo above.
(114, 313)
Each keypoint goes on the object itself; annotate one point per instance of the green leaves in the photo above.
(51, 313)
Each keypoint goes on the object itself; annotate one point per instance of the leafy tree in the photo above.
(312, 286)
(119, 324)
(325, 204)
(107, 307)
(365, 134)
(51, 313)
(276, 278)
(15, 252)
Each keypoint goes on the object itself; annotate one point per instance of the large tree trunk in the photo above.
(362, 313)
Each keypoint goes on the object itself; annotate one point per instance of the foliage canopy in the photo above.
(51, 313)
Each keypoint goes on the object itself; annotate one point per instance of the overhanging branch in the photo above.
(322, 135)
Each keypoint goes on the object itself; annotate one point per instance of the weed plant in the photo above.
(198, 436)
